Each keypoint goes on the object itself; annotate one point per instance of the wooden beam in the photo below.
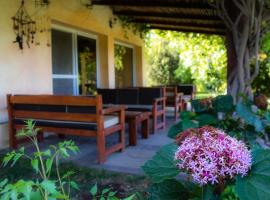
(153, 3)
(166, 15)
(177, 23)
(189, 30)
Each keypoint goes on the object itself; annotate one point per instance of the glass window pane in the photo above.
(123, 58)
(62, 52)
(87, 70)
(63, 86)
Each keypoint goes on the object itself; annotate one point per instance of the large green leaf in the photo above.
(187, 115)
(181, 126)
(206, 119)
(168, 190)
(162, 166)
(257, 184)
(250, 118)
(199, 107)
(223, 103)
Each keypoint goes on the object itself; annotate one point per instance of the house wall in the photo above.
(30, 70)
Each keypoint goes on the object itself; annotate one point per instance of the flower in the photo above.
(211, 156)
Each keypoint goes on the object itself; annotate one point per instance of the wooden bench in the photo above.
(140, 99)
(70, 115)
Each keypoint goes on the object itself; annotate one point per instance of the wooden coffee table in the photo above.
(134, 118)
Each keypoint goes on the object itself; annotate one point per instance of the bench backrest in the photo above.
(52, 107)
(132, 96)
(109, 96)
(186, 89)
(148, 94)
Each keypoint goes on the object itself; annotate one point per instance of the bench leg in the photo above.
(101, 147)
(122, 139)
(40, 136)
(13, 143)
(145, 128)
(132, 126)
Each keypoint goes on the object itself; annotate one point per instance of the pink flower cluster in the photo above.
(211, 156)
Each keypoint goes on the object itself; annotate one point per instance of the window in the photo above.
(74, 62)
(124, 65)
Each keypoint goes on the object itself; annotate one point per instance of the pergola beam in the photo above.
(166, 15)
(177, 23)
(189, 30)
(153, 3)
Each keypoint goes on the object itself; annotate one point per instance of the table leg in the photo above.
(145, 128)
(132, 125)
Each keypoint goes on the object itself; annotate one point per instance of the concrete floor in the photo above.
(128, 161)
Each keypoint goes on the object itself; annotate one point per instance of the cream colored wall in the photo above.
(30, 70)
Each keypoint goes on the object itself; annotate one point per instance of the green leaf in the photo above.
(35, 164)
(162, 166)
(74, 185)
(130, 197)
(250, 118)
(49, 163)
(208, 192)
(49, 186)
(256, 184)
(93, 190)
(3, 183)
(206, 119)
(223, 103)
(169, 190)
(187, 115)
(181, 126)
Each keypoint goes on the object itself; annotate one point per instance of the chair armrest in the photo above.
(160, 99)
(113, 109)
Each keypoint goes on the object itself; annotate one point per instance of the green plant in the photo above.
(44, 164)
(105, 194)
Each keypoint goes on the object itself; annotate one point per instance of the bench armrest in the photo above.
(113, 109)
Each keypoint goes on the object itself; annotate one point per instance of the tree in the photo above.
(243, 20)
(175, 57)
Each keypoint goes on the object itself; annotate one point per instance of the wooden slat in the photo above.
(81, 117)
(66, 131)
(113, 129)
(54, 100)
(114, 148)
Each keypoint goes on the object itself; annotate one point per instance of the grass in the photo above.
(124, 184)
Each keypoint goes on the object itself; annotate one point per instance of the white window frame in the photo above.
(75, 33)
(134, 72)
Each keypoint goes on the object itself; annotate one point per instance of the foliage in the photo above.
(261, 83)
(136, 28)
(256, 184)
(42, 162)
(119, 52)
(162, 166)
(189, 58)
(223, 103)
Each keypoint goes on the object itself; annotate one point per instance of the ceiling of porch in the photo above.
(179, 15)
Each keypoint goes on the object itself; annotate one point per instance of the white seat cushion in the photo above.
(110, 120)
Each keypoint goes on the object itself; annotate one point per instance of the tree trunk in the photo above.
(243, 21)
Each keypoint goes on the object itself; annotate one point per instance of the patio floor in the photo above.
(128, 161)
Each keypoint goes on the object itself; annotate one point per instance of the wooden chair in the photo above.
(174, 100)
